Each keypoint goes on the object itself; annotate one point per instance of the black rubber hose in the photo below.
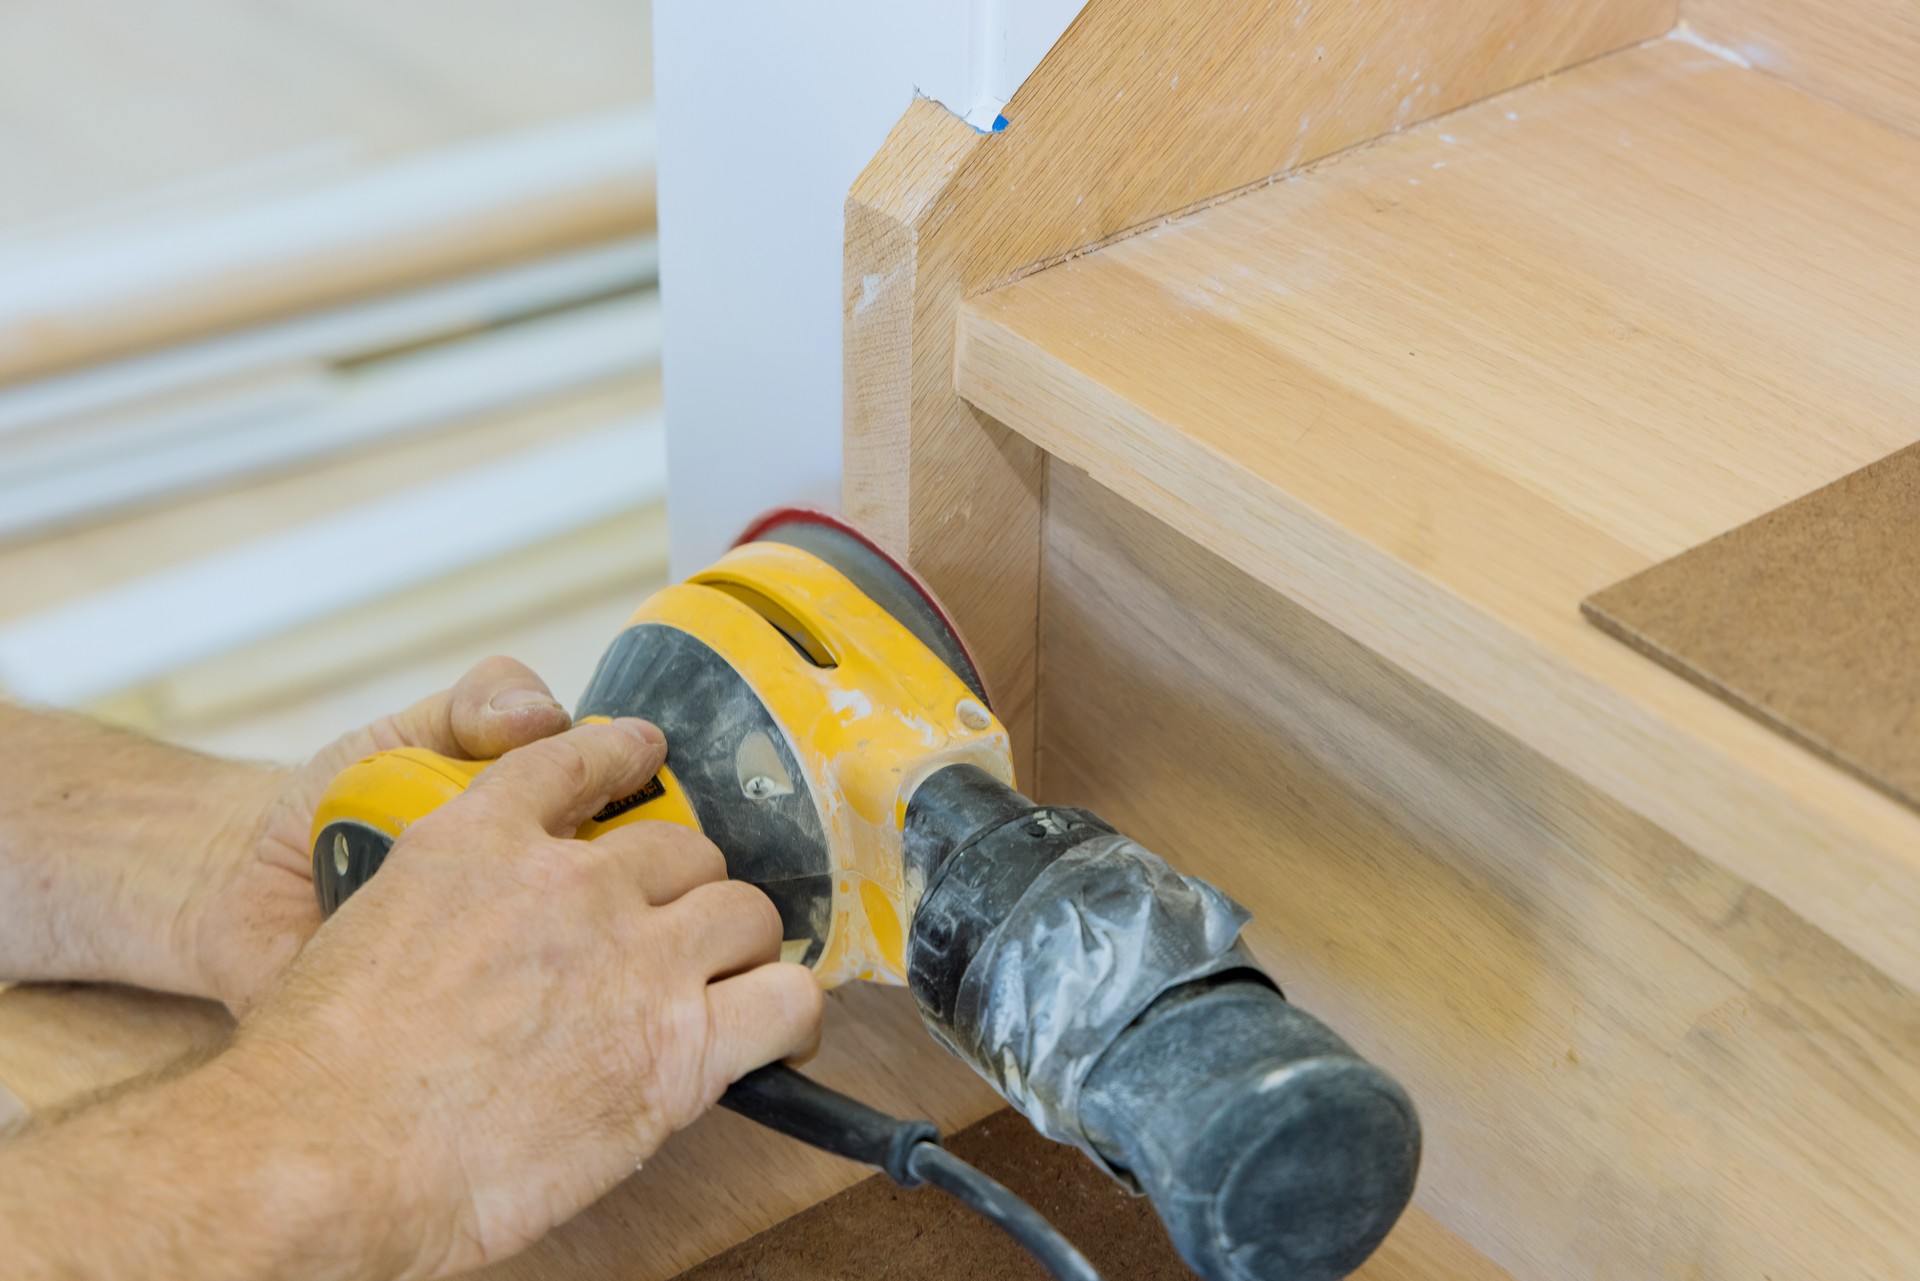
(909, 1151)
(801, 1108)
(991, 1199)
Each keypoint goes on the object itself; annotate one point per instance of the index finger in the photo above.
(561, 782)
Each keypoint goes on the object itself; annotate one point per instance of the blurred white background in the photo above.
(328, 353)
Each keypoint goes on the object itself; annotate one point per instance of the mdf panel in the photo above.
(1629, 1062)
(1806, 618)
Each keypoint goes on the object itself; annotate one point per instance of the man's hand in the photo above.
(132, 861)
(252, 905)
(510, 1020)
(492, 1032)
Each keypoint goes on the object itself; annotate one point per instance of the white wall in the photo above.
(768, 110)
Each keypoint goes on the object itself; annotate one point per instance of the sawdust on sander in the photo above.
(877, 1231)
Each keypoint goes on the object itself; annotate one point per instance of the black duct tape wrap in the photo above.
(1042, 935)
(1100, 933)
(1110, 999)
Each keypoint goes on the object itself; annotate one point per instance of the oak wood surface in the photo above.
(1441, 388)
(1861, 54)
(1629, 1063)
(1143, 108)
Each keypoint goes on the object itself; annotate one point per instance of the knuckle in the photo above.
(494, 668)
(800, 991)
(559, 866)
(571, 765)
(738, 904)
(455, 822)
(753, 903)
(710, 862)
(701, 855)
(473, 817)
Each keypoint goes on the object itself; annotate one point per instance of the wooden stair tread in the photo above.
(1442, 387)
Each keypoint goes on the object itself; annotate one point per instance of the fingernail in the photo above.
(646, 731)
(508, 699)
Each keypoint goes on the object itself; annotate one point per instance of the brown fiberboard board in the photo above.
(1806, 618)
(877, 1231)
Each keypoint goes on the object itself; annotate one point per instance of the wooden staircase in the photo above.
(1268, 398)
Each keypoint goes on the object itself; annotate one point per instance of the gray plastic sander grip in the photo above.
(1109, 999)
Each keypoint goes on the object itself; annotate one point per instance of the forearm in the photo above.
(102, 837)
(209, 1176)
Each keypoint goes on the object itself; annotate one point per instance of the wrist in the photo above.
(109, 841)
(211, 853)
(327, 1199)
(222, 1174)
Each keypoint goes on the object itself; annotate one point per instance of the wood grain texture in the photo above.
(1861, 54)
(942, 485)
(1805, 618)
(718, 1182)
(1144, 108)
(1444, 387)
(1629, 1063)
(878, 1231)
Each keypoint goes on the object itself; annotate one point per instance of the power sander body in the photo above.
(829, 732)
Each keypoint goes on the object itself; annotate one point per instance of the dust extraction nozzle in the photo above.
(1109, 999)
(1269, 1148)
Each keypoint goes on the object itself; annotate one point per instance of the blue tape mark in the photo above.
(999, 123)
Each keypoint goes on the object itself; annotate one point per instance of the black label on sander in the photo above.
(652, 788)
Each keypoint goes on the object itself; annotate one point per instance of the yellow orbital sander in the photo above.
(829, 732)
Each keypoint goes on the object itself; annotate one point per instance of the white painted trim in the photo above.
(753, 282)
(475, 302)
(91, 648)
(1003, 41)
(619, 559)
(408, 197)
(69, 475)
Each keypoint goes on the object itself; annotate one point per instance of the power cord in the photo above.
(908, 1151)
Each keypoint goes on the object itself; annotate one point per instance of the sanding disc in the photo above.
(888, 583)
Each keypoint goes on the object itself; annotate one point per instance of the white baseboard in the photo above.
(91, 648)
(83, 470)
